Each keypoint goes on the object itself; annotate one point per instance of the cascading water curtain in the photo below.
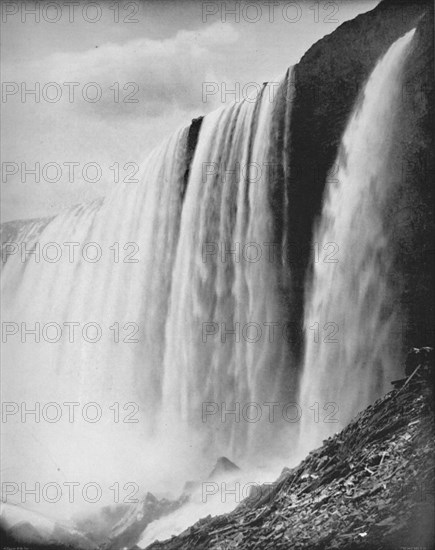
(152, 321)
(227, 290)
(352, 313)
(91, 298)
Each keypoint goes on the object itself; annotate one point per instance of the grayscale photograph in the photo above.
(217, 275)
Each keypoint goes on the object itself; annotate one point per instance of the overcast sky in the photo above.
(162, 52)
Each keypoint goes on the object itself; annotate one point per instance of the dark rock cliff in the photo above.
(326, 84)
(192, 140)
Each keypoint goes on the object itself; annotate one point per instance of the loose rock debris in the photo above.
(369, 487)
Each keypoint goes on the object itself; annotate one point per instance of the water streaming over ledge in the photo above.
(352, 316)
(201, 292)
(162, 282)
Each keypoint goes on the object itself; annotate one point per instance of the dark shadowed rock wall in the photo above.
(326, 84)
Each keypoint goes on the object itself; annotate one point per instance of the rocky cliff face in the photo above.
(369, 487)
(192, 140)
(327, 82)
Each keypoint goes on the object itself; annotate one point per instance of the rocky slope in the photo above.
(369, 487)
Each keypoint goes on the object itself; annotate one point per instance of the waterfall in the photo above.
(220, 352)
(100, 331)
(352, 311)
(169, 308)
(126, 301)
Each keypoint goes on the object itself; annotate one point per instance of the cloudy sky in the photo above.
(113, 79)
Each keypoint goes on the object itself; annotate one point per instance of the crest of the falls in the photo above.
(352, 312)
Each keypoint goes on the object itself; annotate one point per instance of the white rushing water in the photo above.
(126, 289)
(208, 368)
(129, 329)
(352, 316)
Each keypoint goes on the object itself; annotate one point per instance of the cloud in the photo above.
(169, 74)
(152, 75)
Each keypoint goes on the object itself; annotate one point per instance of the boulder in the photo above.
(222, 467)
